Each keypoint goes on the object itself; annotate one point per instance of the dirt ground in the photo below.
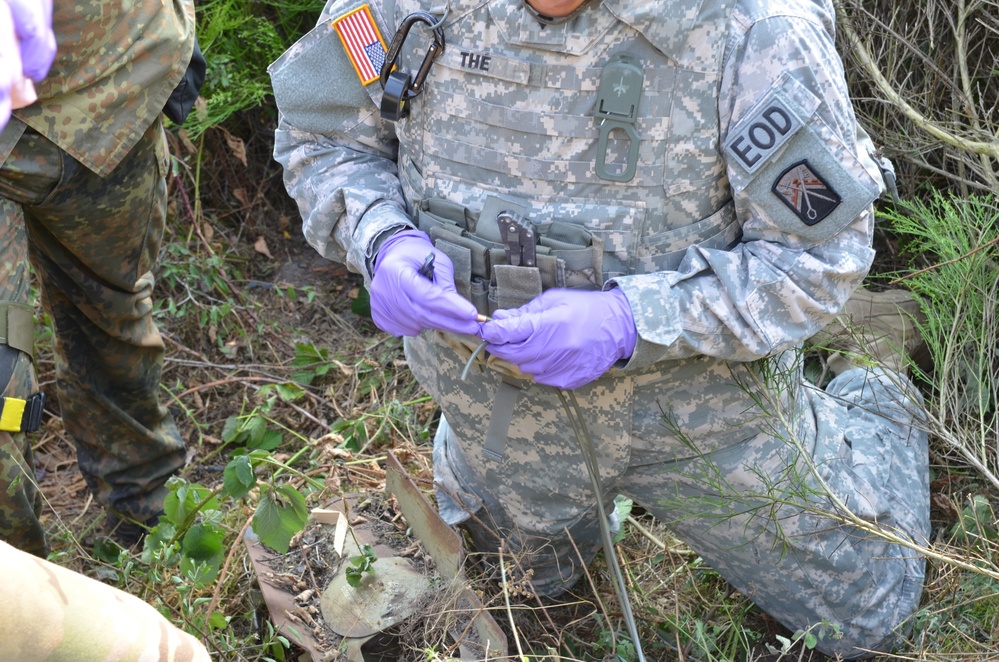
(243, 217)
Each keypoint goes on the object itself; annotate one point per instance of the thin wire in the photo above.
(579, 429)
(590, 460)
(447, 10)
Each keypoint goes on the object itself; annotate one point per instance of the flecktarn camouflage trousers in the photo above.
(93, 243)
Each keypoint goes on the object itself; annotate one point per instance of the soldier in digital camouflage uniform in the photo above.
(703, 197)
(83, 197)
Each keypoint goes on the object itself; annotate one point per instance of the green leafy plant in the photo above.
(956, 273)
(253, 431)
(360, 565)
(309, 363)
(976, 524)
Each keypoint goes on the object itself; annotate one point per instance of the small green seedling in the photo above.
(360, 564)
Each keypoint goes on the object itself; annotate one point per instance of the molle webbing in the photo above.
(17, 326)
(567, 255)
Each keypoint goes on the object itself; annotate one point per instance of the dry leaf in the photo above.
(186, 141)
(237, 147)
(261, 247)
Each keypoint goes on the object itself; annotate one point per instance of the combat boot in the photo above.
(875, 328)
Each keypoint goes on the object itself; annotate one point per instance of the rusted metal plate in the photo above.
(383, 598)
(444, 545)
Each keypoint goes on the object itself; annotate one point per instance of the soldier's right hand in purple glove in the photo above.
(33, 26)
(404, 302)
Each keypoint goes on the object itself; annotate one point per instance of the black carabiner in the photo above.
(400, 86)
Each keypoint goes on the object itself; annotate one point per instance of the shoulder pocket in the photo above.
(800, 177)
(316, 87)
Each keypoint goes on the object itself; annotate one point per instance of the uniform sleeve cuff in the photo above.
(656, 320)
(378, 224)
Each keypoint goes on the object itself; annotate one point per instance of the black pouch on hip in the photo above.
(186, 93)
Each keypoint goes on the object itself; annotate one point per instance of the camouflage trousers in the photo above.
(93, 243)
(769, 512)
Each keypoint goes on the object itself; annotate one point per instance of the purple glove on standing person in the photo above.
(27, 48)
(564, 338)
(33, 25)
(405, 302)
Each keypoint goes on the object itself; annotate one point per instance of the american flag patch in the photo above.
(363, 42)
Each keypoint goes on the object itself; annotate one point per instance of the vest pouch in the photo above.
(461, 259)
(580, 254)
(428, 221)
(480, 295)
(565, 234)
(581, 267)
(478, 251)
(512, 287)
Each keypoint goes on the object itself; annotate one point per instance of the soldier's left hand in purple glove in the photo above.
(564, 338)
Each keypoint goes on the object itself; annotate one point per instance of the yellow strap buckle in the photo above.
(17, 415)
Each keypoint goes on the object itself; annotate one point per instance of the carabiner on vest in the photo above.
(401, 86)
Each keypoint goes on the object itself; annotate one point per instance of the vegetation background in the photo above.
(288, 396)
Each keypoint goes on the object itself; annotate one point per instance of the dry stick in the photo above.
(933, 267)
(463, 635)
(963, 12)
(537, 598)
(224, 382)
(272, 379)
(509, 611)
(596, 593)
(225, 568)
(860, 51)
(648, 534)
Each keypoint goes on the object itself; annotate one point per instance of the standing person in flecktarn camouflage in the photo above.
(83, 197)
(656, 204)
(48, 612)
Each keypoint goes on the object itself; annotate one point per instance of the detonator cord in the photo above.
(590, 459)
(582, 433)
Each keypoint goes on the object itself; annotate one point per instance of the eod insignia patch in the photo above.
(805, 193)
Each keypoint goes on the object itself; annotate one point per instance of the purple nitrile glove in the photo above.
(564, 338)
(33, 25)
(10, 62)
(27, 48)
(404, 302)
